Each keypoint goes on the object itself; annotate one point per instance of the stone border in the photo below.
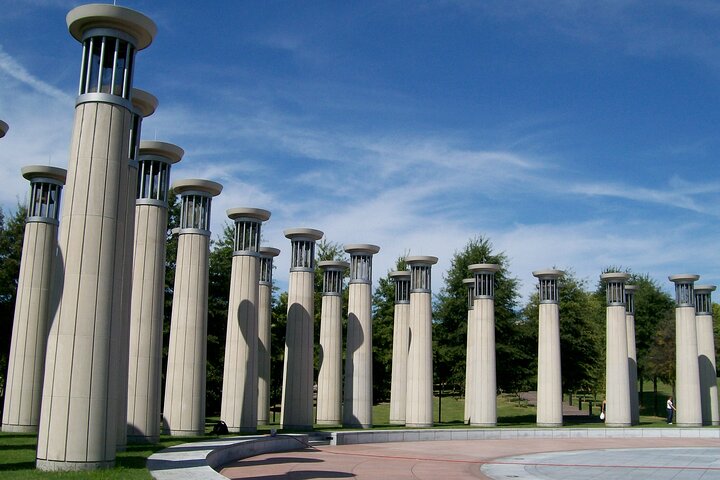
(199, 460)
(381, 436)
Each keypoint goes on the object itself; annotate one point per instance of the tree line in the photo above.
(581, 305)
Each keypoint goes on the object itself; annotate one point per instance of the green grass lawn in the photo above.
(17, 451)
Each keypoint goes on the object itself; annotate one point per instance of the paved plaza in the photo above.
(550, 459)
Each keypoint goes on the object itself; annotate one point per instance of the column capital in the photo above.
(300, 234)
(684, 278)
(630, 299)
(93, 16)
(361, 261)
(549, 274)
(470, 285)
(165, 152)
(361, 248)
(336, 265)
(547, 285)
(269, 252)
(333, 271)
(238, 214)
(401, 279)
(189, 186)
(684, 288)
(44, 173)
(703, 300)
(144, 103)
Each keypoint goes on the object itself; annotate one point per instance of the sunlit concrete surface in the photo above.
(567, 458)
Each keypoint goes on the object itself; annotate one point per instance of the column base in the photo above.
(63, 466)
(10, 428)
(618, 425)
(184, 433)
(493, 424)
(689, 425)
(262, 423)
(242, 430)
(715, 423)
(398, 421)
(328, 422)
(549, 425)
(419, 425)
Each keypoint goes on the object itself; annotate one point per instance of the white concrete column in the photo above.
(632, 353)
(264, 332)
(401, 345)
(144, 105)
(687, 368)
(617, 377)
(419, 405)
(549, 381)
(358, 393)
(3, 128)
(706, 354)
(79, 413)
(329, 392)
(184, 403)
(470, 350)
(297, 392)
(484, 403)
(239, 406)
(148, 290)
(24, 380)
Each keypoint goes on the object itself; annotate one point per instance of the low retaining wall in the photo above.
(198, 460)
(381, 436)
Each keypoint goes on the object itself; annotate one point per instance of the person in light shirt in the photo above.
(670, 410)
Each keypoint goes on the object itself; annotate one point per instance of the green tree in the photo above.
(12, 231)
(581, 337)
(450, 321)
(383, 323)
(220, 272)
(653, 308)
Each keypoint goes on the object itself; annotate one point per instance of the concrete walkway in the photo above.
(559, 458)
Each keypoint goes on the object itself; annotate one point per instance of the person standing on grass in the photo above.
(670, 410)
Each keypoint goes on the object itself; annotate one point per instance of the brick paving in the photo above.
(450, 460)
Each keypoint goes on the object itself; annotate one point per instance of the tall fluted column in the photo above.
(78, 421)
(469, 350)
(184, 404)
(617, 376)
(401, 345)
(358, 394)
(144, 105)
(632, 353)
(549, 381)
(240, 376)
(687, 368)
(264, 332)
(419, 405)
(484, 403)
(24, 381)
(706, 354)
(297, 392)
(148, 290)
(329, 392)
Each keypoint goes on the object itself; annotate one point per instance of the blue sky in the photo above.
(573, 134)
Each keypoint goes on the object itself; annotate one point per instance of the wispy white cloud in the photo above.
(10, 67)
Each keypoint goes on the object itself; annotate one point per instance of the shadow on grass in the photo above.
(18, 446)
(6, 467)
